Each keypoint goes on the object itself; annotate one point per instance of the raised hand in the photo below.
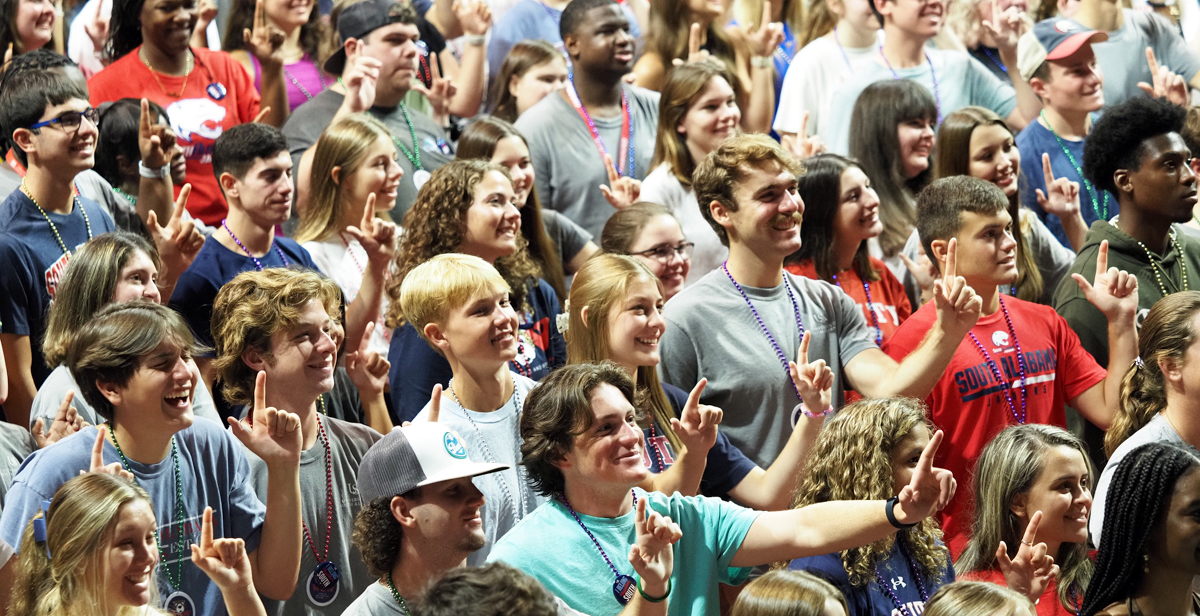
(1114, 292)
(271, 434)
(767, 36)
(377, 236)
(803, 146)
(923, 271)
(651, 554)
(435, 404)
(474, 16)
(1062, 195)
(930, 488)
(96, 26)
(206, 11)
(697, 428)
(98, 465)
(1005, 26)
(359, 81)
(1166, 84)
(621, 192)
(178, 242)
(224, 561)
(814, 380)
(695, 54)
(440, 90)
(958, 306)
(66, 422)
(368, 370)
(1032, 570)
(156, 142)
(264, 42)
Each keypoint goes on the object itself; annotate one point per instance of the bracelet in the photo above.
(761, 61)
(890, 509)
(654, 599)
(811, 415)
(475, 39)
(153, 174)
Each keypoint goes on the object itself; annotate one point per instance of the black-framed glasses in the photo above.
(71, 120)
(664, 252)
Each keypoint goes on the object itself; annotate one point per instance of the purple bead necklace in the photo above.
(887, 589)
(621, 581)
(1012, 406)
(799, 324)
(937, 97)
(257, 263)
(870, 308)
(657, 454)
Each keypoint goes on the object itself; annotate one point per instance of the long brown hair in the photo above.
(315, 37)
(670, 24)
(954, 158)
(437, 223)
(821, 189)
(342, 146)
(683, 85)
(1164, 338)
(821, 20)
(478, 142)
(523, 56)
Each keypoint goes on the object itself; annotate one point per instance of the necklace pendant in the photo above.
(180, 603)
(323, 583)
(420, 176)
(623, 588)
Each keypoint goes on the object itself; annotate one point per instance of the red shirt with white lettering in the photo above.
(216, 95)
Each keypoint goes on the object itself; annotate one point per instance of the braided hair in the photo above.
(1138, 496)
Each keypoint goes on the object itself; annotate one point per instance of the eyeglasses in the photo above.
(71, 120)
(664, 253)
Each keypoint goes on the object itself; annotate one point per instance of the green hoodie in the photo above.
(1124, 253)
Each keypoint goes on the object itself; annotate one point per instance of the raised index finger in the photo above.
(1101, 261)
(66, 404)
(951, 263)
(98, 448)
(368, 214)
(144, 119)
(260, 19)
(693, 401)
(260, 391)
(766, 15)
(613, 176)
(693, 40)
(1031, 529)
(206, 530)
(925, 465)
(802, 356)
(1047, 171)
(1153, 62)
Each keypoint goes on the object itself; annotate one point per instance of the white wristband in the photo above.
(477, 40)
(153, 174)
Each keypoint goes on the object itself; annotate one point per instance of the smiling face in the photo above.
(712, 116)
(601, 44)
(131, 555)
(448, 512)
(537, 82)
(512, 154)
(1175, 542)
(159, 393)
(916, 143)
(994, 157)
(493, 221)
(917, 18)
(35, 23)
(635, 325)
(138, 279)
(663, 234)
(1164, 186)
(303, 354)
(987, 252)
(1062, 494)
(482, 331)
(858, 209)
(265, 193)
(767, 219)
(609, 453)
(378, 173)
(68, 151)
(168, 24)
(1074, 84)
(288, 14)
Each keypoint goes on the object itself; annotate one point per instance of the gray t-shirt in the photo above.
(305, 125)
(712, 333)
(378, 601)
(494, 437)
(567, 236)
(1157, 430)
(1122, 58)
(16, 443)
(347, 444)
(1053, 259)
(50, 395)
(568, 166)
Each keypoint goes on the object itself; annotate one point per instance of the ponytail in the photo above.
(34, 590)
(1143, 395)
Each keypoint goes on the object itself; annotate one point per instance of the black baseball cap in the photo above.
(360, 19)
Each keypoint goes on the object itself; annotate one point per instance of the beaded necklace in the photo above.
(623, 585)
(654, 447)
(176, 579)
(328, 495)
(519, 511)
(396, 595)
(1012, 406)
(870, 307)
(887, 589)
(524, 368)
(1100, 211)
(763, 326)
(296, 82)
(257, 263)
(124, 195)
(937, 97)
(993, 58)
(414, 155)
(1158, 270)
(53, 228)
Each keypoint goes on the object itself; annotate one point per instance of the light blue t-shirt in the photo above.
(213, 471)
(550, 546)
(961, 81)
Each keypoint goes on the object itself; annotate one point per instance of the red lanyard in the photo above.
(626, 145)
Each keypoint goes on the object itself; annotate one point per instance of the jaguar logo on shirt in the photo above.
(196, 116)
(1000, 338)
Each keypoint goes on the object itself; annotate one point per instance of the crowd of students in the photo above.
(650, 307)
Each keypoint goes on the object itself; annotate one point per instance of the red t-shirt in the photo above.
(1047, 605)
(218, 95)
(968, 402)
(889, 303)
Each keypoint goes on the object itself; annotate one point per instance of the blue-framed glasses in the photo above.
(71, 120)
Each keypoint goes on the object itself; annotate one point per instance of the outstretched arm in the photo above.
(697, 430)
(1114, 294)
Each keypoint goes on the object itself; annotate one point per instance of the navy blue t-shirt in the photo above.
(32, 263)
(416, 367)
(1032, 142)
(869, 600)
(216, 265)
(726, 465)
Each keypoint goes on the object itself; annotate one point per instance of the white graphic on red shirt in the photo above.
(196, 116)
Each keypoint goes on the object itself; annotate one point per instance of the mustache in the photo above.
(782, 218)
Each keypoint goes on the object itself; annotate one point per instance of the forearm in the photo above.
(200, 35)
(771, 489)
(243, 602)
(814, 530)
(917, 374)
(21, 388)
(1122, 350)
(1028, 103)
(684, 476)
(276, 562)
(367, 304)
(443, 18)
(375, 412)
(760, 108)
(1075, 229)
(470, 81)
(156, 195)
(274, 95)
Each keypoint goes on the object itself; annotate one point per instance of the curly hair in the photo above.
(437, 224)
(377, 534)
(852, 460)
(495, 589)
(249, 309)
(1117, 138)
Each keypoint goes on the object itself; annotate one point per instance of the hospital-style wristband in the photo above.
(153, 174)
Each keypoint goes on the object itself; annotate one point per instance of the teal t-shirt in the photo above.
(550, 546)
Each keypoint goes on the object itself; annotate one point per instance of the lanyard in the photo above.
(626, 144)
(623, 585)
(937, 96)
(1101, 214)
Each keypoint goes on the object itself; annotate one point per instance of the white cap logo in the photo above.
(1065, 26)
(453, 446)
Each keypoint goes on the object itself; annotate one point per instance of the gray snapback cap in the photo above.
(413, 456)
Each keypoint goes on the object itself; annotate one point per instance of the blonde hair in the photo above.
(852, 460)
(795, 14)
(79, 523)
(977, 599)
(342, 146)
(1164, 338)
(249, 309)
(787, 593)
(600, 285)
(448, 281)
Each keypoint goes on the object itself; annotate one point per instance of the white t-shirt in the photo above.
(662, 187)
(814, 73)
(344, 263)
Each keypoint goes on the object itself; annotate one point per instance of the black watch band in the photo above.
(889, 509)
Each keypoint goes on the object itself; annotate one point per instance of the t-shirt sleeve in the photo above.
(1078, 370)
(246, 511)
(680, 357)
(249, 101)
(1171, 49)
(730, 523)
(19, 293)
(21, 502)
(988, 91)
